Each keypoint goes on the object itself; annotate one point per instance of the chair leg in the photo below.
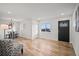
(22, 51)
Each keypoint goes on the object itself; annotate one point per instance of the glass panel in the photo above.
(45, 27)
(63, 24)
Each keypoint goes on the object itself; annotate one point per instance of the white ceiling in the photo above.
(35, 10)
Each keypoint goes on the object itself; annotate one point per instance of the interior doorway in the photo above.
(35, 29)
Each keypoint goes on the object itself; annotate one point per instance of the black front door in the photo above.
(63, 30)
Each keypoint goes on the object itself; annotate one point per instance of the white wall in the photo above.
(34, 29)
(1, 34)
(75, 35)
(54, 28)
(26, 29)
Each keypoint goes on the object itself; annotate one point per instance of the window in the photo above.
(45, 27)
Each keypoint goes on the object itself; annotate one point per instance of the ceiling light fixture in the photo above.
(9, 12)
(39, 19)
(62, 13)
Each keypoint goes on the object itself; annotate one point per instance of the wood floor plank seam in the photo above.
(42, 47)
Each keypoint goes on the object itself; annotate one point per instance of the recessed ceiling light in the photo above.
(62, 13)
(39, 19)
(9, 12)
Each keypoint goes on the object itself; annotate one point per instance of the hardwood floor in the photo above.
(44, 47)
